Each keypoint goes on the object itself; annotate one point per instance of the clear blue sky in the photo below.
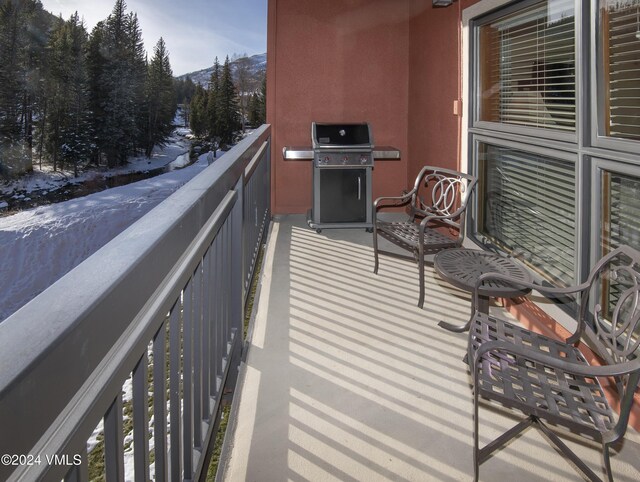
(195, 31)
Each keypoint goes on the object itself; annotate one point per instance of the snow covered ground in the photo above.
(38, 246)
(46, 179)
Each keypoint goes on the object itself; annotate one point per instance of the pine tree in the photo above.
(21, 49)
(122, 77)
(98, 95)
(161, 101)
(214, 90)
(56, 92)
(242, 81)
(227, 117)
(198, 119)
(77, 128)
(184, 88)
(262, 101)
(253, 110)
(257, 105)
(138, 65)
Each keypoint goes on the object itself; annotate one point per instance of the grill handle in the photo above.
(359, 188)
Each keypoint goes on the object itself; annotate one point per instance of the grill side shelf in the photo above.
(306, 153)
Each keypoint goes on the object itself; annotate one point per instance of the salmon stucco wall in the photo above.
(343, 61)
(434, 86)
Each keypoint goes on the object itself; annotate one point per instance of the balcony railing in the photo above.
(156, 314)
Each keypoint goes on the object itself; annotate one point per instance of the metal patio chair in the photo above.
(436, 207)
(551, 380)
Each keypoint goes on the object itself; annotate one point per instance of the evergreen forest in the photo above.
(73, 99)
(218, 112)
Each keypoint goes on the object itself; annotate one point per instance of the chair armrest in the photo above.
(582, 369)
(547, 290)
(550, 290)
(381, 202)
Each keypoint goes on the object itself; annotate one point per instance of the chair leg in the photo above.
(567, 452)
(375, 250)
(607, 462)
(421, 275)
(476, 448)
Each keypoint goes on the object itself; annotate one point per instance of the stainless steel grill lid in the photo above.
(341, 136)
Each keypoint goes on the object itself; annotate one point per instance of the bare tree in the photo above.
(243, 79)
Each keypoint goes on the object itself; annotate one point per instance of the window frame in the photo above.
(598, 91)
(599, 167)
(475, 95)
(566, 156)
(593, 152)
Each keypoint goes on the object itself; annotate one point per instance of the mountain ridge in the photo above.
(256, 67)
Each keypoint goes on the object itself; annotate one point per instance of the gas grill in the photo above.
(342, 164)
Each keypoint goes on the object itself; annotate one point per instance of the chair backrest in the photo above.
(611, 306)
(609, 319)
(443, 192)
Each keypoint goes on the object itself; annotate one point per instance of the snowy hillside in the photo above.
(257, 65)
(41, 245)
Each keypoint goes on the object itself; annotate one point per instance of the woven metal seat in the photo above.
(550, 380)
(557, 396)
(435, 207)
(409, 235)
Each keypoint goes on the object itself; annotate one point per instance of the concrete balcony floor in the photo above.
(346, 379)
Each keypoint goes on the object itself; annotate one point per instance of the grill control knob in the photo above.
(363, 159)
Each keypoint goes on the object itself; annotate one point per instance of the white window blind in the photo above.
(527, 67)
(622, 218)
(620, 223)
(621, 50)
(528, 209)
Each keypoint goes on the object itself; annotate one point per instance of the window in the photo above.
(620, 222)
(620, 79)
(527, 62)
(620, 196)
(528, 208)
(550, 102)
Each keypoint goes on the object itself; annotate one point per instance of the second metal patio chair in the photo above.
(436, 207)
(551, 381)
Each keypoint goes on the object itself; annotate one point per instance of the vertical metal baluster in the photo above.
(214, 318)
(141, 420)
(227, 292)
(223, 300)
(174, 388)
(187, 381)
(206, 337)
(218, 312)
(236, 298)
(197, 356)
(113, 441)
(237, 294)
(79, 473)
(252, 229)
(245, 208)
(160, 403)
